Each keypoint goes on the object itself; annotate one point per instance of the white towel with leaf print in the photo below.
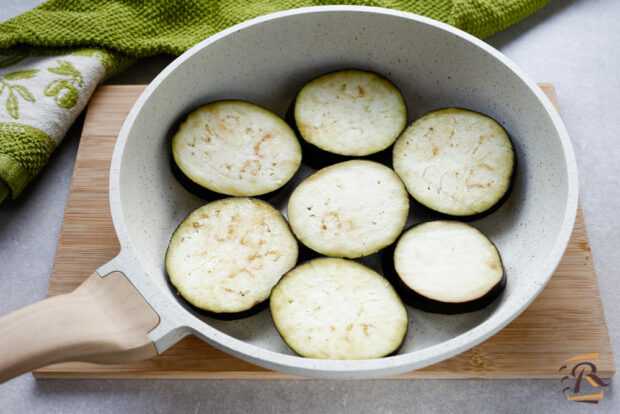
(48, 92)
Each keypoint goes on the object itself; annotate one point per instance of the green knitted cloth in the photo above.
(52, 57)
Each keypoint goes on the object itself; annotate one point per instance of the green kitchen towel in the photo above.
(53, 57)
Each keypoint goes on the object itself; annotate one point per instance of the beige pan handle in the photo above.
(105, 320)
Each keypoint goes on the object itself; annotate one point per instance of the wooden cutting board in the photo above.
(565, 321)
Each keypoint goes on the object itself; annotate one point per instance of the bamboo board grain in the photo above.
(566, 320)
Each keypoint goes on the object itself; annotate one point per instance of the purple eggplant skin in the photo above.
(305, 254)
(230, 316)
(191, 186)
(418, 301)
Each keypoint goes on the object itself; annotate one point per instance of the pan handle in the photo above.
(104, 320)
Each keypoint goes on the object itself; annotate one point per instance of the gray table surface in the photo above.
(572, 43)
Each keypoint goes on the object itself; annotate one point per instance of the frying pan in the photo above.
(127, 311)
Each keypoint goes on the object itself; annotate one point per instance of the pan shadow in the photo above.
(506, 36)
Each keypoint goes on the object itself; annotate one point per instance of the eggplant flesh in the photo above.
(317, 158)
(445, 267)
(457, 162)
(226, 256)
(234, 148)
(349, 113)
(351, 209)
(332, 308)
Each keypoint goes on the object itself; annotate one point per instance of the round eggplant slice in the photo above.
(351, 209)
(338, 309)
(446, 267)
(455, 161)
(226, 256)
(236, 148)
(350, 113)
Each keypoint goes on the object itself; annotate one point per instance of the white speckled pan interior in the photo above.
(266, 61)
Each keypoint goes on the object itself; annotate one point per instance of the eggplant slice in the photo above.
(338, 309)
(456, 162)
(351, 209)
(236, 148)
(445, 267)
(226, 256)
(349, 113)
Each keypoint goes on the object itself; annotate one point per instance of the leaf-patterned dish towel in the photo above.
(53, 57)
(40, 97)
